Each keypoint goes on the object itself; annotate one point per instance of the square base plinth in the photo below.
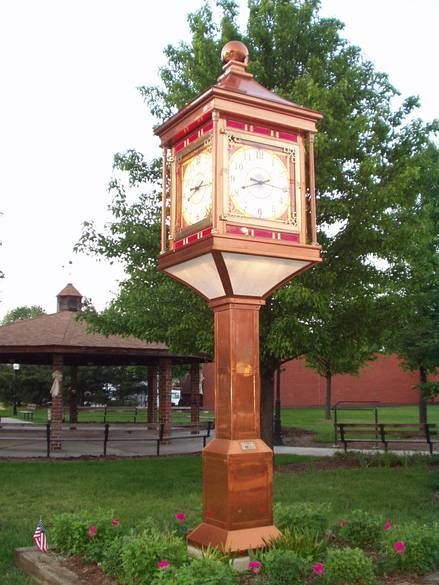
(232, 541)
(237, 499)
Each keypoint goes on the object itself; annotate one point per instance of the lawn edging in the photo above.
(45, 568)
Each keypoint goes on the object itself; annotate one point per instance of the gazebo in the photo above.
(61, 339)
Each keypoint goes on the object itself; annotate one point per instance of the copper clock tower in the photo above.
(238, 221)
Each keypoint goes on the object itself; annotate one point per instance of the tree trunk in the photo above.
(328, 396)
(422, 401)
(267, 407)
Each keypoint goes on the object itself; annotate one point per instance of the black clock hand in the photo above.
(256, 182)
(198, 187)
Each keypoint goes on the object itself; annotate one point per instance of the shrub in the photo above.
(348, 566)
(306, 543)
(141, 553)
(112, 558)
(84, 534)
(283, 567)
(302, 516)
(204, 571)
(419, 552)
(361, 529)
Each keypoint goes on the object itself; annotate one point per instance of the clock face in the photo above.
(258, 183)
(197, 187)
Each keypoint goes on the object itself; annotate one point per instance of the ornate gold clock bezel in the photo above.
(183, 228)
(292, 218)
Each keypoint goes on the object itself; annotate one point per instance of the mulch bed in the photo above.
(88, 573)
(92, 575)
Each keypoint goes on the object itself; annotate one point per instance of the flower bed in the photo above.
(359, 549)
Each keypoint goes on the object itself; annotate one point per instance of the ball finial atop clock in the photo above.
(234, 51)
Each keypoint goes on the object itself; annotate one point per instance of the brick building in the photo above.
(382, 379)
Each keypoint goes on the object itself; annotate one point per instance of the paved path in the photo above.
(126, 440)
(329, 451)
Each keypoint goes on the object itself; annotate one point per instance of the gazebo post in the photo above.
(195, 398)
(74, 395)
(152, 395)
(165, 368)
(57, 410)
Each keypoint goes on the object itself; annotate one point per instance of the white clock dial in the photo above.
(197, 187)
(258, 183)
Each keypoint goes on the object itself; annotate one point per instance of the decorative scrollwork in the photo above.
(231, 137)
(290, 152)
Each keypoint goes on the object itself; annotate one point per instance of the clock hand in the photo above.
(257, 182)
(284, 189)
(198, 187)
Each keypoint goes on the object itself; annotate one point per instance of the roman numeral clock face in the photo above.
(259, 185)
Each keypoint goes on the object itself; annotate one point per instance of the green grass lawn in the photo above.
(313, 419)
(113, 415)
(141, 488)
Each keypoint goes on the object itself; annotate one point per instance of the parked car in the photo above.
(175, 396)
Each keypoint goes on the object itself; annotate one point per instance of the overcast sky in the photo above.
(68, 101)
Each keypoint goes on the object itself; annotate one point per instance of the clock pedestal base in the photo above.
(237, 496)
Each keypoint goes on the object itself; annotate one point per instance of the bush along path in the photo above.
(359, 549)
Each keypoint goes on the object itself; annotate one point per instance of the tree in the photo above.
(417, 338)
(22, 313)
(364, 158)
(34, 381)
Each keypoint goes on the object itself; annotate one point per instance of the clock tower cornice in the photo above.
(237, 93)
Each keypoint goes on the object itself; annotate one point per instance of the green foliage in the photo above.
(361, 529)
(370, 157)
(302, 516)
(111, 562)
(22, 313)
(204, 571)
(421, 554)
(142, 552)
(283, 567)
(348, 566)
(305, 542)
(84, 534)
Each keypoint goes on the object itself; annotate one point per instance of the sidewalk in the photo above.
(330, 451)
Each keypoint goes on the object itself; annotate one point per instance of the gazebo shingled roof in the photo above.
(35, 341)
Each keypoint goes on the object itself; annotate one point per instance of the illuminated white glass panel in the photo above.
(255, 275)
(201, 274)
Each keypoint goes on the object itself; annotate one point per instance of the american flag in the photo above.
(40, 536)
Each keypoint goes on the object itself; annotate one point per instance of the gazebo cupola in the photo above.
(69, 299)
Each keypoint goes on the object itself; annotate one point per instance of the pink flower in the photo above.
(92, 531)
(115, 522)
(255, 567)
(180, 516)
(342, 522)
(387, 525)
(163, 564)
(318, 569)
(399, 547)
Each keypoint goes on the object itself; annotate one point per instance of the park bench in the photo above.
(387, 433)
(28, 411)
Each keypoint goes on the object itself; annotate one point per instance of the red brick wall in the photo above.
(380, 380)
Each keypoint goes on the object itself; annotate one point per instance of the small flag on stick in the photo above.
(40, 536)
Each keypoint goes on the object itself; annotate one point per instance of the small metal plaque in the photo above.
(248, 446)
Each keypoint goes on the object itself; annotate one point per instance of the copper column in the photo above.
(237, 464)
